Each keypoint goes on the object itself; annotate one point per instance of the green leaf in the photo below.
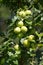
(41, 35)
(15, 62)
(2, 61)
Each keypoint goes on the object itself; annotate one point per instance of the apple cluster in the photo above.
(20, 24)
(20, 27)
(26, 41)
(24, 13)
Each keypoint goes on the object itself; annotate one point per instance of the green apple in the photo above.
(17, 30)
(26, 43)
(28, 12)
(16, 47)
(20, 23)
(30, 37)
(20, 35)
(24, 29)
(22, 13)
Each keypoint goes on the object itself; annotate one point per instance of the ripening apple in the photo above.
(24, 29)
(20, 24)
(17, 30)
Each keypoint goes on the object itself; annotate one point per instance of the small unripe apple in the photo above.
(20, 35)
(28, 12)
(24, 29)
(20, 23)
(17, 30)
(31, 37)
(16, 47)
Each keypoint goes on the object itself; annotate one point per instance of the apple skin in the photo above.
(24, 29)
(17, 30)
(20, 24)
